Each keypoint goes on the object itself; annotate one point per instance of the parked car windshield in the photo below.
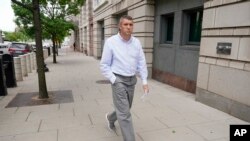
(18, 45)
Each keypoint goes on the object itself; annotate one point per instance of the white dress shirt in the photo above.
(123, 57)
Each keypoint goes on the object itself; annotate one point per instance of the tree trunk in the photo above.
(57, 46)
(43, 93)
(54, 48)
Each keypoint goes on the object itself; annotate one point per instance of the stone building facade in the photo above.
(200, 46)
(224, 64)
(86, 28)
(74, 37)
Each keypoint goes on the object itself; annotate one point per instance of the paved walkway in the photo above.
(169, 114)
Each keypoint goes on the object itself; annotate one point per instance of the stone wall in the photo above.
(223, 80)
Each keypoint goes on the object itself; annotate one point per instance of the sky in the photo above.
(6, 16)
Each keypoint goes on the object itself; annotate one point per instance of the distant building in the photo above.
(86, 28)
(74, 34)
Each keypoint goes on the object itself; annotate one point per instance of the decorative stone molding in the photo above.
(232, 31)
(216, 3)
(236, 64)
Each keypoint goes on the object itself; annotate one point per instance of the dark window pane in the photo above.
(167, 28)
(195, 26)
(170, 28)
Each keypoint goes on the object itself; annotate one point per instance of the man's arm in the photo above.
(142, 69)
(142, 66)
(106, 61)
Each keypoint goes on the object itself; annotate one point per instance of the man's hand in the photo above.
(145, 88)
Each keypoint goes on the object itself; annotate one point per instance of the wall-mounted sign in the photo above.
(224, 48)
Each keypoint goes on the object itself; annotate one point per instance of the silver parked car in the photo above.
(4, 48)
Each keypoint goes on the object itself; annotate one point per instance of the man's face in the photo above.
(126, 27)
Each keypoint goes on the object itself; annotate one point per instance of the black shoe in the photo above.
(111, 126)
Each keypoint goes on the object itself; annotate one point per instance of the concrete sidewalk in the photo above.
(169, 114)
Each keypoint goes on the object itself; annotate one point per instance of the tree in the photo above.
(54, 23)
(54, 20)
(57, 28)
(53, 26)
(35, 10)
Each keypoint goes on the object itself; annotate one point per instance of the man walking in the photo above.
(122, 59)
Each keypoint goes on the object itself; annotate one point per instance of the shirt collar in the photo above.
(130, 40)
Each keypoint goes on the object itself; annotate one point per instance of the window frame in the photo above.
(163, 28)
(186, 26)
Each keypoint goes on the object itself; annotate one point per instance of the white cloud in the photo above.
(6, 16)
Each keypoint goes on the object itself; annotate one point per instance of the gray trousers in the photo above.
(123, 93)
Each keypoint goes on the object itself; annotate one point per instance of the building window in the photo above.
(97, 2)
(167, 28)
(193, 26)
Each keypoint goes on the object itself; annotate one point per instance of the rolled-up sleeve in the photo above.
(106, 62)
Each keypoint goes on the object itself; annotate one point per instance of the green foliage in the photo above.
(10, 36)
(19, 36)
(24, 18)
(53, 16)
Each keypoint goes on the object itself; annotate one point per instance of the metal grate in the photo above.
(31, 99)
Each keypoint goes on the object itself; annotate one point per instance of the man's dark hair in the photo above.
(125, 17)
